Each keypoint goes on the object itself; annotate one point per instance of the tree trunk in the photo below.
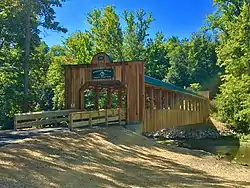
(26, 58)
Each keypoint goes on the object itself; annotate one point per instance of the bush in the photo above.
(196, 87)
(233, 103)
(7, 124)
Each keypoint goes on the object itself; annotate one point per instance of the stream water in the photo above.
(226, 148)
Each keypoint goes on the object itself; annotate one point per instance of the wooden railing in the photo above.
(90, 118)
(26, 120)
(163, 118)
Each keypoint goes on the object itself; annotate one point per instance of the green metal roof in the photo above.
(169, 86)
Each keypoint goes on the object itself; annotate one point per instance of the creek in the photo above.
(227, 148)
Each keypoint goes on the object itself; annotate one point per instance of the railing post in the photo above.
(39, 126)
(70, 122)
(96, 98)
(15, 123)
(120, 119)
(151, 98)
(90, 119)
(106, 117)
(108, 104)
(120, 105)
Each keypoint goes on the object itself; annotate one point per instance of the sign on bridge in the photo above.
(102, 73)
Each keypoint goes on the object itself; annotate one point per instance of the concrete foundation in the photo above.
(135, 127)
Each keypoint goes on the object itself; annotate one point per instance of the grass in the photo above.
(244, 137)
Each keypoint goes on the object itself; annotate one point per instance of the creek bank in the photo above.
(224, 144)
(189, 132)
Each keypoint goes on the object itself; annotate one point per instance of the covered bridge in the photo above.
(150, 103)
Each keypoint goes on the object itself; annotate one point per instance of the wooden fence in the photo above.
(26, 120)
(104, 116)
(156, 119)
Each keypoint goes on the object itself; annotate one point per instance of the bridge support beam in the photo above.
(96, 98)
(158, 99)
(108, 104)
(151, 98)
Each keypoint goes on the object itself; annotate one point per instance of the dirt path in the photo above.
(11, 137)
(112, 157)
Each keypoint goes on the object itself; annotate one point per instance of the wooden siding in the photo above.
(160, 119)
(169, 109)
(131, 75)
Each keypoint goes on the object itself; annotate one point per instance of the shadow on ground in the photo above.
(111, 157)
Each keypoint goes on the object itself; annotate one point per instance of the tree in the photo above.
(156, 55)
(10, 30)
(193, 60)
(196, 87)
(203, 59)
(136, 33)
(10, 83)
(178, 73)
(227, 11)
(22, 55)
(233, 55)
(55, 80)
(105, 32)
(79, 47)
(33, 15)
(40, 91)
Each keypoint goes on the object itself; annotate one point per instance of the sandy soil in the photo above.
(112, 157)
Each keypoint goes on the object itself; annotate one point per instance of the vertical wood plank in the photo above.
(151, 100)
(170, 98)
(167, 100)
(138, 99)
(142, 91)
(158, 99)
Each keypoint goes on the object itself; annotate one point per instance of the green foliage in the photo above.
(157, 61)
(40, 91)
(244, 137)
(137, 25)
(192, 60)
(105, 32)
(58, 57)
(79, 47)
(195, 87)
(11, 95)
(23, 56)
(178, 73)
(233, 102)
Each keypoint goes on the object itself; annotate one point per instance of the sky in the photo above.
(172, 17)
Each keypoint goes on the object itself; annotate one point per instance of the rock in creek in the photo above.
(177, 133)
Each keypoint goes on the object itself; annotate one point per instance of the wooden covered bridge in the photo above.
(121, 93)
(142, 100)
